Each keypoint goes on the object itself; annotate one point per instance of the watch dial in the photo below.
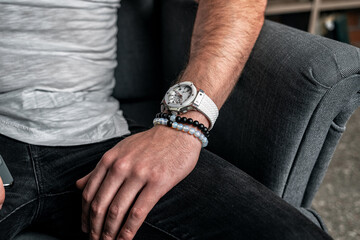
(179, 94)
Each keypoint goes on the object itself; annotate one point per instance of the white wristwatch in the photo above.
(183, 97)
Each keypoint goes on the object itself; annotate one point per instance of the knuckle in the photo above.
(120, 167)
(139, 171)
(114, 212)
(107, 235)
(107, 159)
(128, 232)
(86, 195)
(93, 234)
(137, 213)
(155, 177)
(96, 209)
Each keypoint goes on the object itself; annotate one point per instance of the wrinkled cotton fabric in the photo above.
(57, 61)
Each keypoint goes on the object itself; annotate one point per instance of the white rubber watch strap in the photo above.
(206, 106)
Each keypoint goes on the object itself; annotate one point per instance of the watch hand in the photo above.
(179, 94)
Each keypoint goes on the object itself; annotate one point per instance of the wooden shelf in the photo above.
(315, 7)
(339, 5)
(278, 8)
(286, 8)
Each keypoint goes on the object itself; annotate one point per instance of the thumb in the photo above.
(2, 193)
(81, 183)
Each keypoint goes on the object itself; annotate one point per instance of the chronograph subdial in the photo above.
(175, 97)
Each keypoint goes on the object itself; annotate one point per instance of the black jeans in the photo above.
(216, 201)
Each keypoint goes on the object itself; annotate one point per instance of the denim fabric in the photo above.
(44, 191)
(216, 201)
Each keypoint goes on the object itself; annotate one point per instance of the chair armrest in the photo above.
(290, 107)
(285, 116)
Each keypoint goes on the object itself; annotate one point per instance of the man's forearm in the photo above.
(223, 37)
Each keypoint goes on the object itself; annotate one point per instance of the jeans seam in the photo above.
(36, 181)
(157, 228)
(56, 194)
(19, 207)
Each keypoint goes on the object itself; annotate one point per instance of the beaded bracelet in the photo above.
(179, 119)
(184, 128)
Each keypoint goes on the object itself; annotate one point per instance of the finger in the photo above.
(103, 198)
(119, 207)
(2, 193)
(81, 183)
(143, 205)
(89, 191)
(94, 181)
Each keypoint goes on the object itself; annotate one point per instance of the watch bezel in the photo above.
(184, 105)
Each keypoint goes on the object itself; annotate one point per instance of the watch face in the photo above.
(180, 95)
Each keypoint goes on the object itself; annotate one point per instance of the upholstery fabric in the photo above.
(287, 100)
(138, 52)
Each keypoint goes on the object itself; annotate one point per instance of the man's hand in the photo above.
(139, 170)
(2, 193)
(143, 167)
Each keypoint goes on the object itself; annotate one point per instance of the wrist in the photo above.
(195, 115)
(184, 97)
(181, 139)
(184, 124)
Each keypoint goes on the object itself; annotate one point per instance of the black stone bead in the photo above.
(190, 121)
(201, 126)
(157, 115)
(205, 129)
(183, 120)
(177, 119)
(195, 123)
(169, 123)
(165, 115)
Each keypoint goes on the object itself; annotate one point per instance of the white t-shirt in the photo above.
(57, 61)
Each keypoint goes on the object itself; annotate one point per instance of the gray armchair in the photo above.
(286, 115)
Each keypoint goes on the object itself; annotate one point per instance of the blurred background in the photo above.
(338, 200)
